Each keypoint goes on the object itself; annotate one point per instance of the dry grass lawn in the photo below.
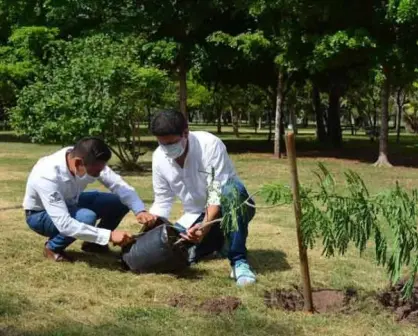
(93, 297)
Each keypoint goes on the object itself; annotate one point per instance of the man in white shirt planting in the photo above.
(181, 166)
(57, 207)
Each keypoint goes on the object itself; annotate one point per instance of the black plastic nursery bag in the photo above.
(154, 252)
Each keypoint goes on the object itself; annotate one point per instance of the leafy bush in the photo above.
(91, 86)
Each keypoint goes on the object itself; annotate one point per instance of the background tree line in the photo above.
(70, 67)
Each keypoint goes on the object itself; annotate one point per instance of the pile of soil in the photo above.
(405, 310)
(325, 300)
(215, 305)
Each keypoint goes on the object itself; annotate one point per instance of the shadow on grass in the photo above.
(268, 261)
(12, 137)
(112, 261)
(144, 321)
(358, 148)
(12, 304)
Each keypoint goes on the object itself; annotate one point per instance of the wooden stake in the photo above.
(303, 256)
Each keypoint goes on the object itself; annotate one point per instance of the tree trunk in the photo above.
(260, 123)
(183, 84)
(334, 122)
(400, 100)
(293, 120)
(384, 127)
(352, 123)
(278, 124)
(321, 134)
(219, 121)
(149, 116)
(235, 124)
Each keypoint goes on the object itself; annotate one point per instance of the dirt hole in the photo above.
(216, 305)
(405, 310)
(325, 300)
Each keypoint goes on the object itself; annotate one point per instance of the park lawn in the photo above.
(93, 297)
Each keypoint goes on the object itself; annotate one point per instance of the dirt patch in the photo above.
(405, 310)
(181, 301)
(325, 300)
(217, 305)
(221, 305)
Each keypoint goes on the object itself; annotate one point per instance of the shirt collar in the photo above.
(62, 164)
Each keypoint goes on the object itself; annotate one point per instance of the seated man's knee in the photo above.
(86, 216)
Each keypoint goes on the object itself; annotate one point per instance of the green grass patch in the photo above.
(93, 297)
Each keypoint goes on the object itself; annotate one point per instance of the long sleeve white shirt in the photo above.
(190, 183)
(52, 187)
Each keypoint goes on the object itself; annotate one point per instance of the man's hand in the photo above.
(147, 219)
(120, 238)
(195, 234)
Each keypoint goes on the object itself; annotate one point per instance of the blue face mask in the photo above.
(175, 150)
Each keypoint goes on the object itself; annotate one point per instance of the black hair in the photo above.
(168, 122)
(92, 150)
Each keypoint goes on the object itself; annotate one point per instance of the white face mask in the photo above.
(86, 178)
(175, 150)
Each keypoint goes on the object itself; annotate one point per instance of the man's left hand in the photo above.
(146, 219)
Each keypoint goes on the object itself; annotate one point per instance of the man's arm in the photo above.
(57, 210)
(163, 195)
(119, 187)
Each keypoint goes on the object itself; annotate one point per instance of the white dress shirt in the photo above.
(190, 183)
(52, 187)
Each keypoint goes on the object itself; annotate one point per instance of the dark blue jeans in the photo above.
(92, 205)
(215, 238)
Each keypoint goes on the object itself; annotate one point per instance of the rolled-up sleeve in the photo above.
(163, 195)
(119, 187)
(55, 206)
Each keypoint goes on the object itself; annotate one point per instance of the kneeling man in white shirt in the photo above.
(181, 166)
(57, 206)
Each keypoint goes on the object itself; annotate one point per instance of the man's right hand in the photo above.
(120, 238)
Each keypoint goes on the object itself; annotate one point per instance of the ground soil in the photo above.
(325, 300)
(405, 310)
(215, 305)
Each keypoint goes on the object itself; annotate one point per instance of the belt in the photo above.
(31, 212)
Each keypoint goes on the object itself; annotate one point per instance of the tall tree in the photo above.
(188, 23)
(395, 29)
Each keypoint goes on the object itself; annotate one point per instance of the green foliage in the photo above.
(390, 218)
(21, 59)
(336, 49)
(32, 42)
(91, 86)
(233, 205)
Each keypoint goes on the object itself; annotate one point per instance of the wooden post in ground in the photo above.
(303, 255)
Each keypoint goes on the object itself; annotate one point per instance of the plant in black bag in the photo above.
(155, 251)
